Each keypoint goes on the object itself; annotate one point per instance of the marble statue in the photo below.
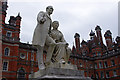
(41, 35)
(61, 51)
(52, 41)
(48, 38)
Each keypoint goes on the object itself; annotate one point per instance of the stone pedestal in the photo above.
(58, 74)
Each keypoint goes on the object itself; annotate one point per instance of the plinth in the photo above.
(58, 74)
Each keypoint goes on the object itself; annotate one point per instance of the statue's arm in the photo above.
(62, 37)
(41, 17)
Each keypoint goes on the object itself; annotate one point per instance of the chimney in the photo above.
(77, 42)
(99, 35)
(108, 38)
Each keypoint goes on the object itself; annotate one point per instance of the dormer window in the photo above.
(9, 34)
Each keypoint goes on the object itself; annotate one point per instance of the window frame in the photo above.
(100, 65)
(102, 76)
(19, 72)
(114, 71)
(5, 51)
(10, 33)
(112, 62)
(7, 65)
(107, 75)
(105, 64)
(96, 66)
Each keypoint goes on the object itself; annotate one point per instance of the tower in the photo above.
(92, 35)
(108, 38)
(10, 43)
(77, 42)
(99, 35)
(84, 48)
(3, 8)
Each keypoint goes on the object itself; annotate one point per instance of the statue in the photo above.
(41, 35)
(50, 40)
(62, 51)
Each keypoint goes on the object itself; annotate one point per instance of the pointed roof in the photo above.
(98, 28)
(117, 39)
(12, 18)
(73, 49)
(76, 35)
(18, 16)
(107, 33)
(92, 33)
(83, 42)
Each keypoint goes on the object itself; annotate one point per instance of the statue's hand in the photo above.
(67, 44)
(42, 20)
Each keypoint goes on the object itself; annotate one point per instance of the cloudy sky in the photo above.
(73, 15)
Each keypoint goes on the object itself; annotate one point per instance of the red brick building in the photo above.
(18, 59)
(99, 61)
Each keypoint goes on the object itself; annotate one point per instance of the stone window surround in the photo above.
(7, 65)
(8, 52)
(10, 33)
(19, 69)
(22, 57)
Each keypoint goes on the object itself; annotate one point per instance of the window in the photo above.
(9, 34)
(6, 51)
(94, 54)
(99, 54)
(80, 64)
(100, 65)
(22, 55)
(84, 52)
(5, 66)
(107, 75)
(91, 66)
(97, 76)
(27, 55)
(95, 65)
(102, 74)
(114, 73)
(92, 77)
(21, 74)
(32, 56)
(112, 63)
(105, 64)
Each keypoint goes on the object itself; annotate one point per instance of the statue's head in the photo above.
(55, 24)
(49, 10)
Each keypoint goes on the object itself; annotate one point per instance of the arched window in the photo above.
(21, 74)
(9, 34)
(6, 52)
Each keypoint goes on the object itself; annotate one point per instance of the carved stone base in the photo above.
(58, 74)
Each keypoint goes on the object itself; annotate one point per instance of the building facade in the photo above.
(99, 61)
(18, 60)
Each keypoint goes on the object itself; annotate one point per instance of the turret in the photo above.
(12, 21)
(99, 35)
(117, 40)
(83, 43)
(84, 48)
(3, 8)
(92, 35)
(108, 38)
(73, 50)
(77, 42)
(18, 20)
